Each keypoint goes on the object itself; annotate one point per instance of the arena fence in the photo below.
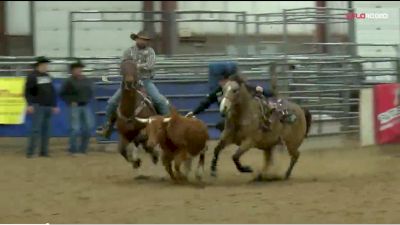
(245, 25)
(326, 85)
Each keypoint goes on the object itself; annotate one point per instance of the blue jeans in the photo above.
(160, 102)
(40, 130)
(82, 123)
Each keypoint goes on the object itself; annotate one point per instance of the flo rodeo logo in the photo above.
(379, 16)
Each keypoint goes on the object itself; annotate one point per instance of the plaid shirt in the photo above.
(145, 59)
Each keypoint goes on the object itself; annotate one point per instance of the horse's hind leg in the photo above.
(294, 156)
(243, 148)
(267, 163)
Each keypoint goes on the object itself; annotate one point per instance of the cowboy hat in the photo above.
(41, 59)
(142, 35)
(77, 64)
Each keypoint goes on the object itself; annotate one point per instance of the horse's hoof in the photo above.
(287, 176)
(259, 178)
(136, 164)
(213, 173)
(199, 177)
(154, 159)
(245, 169)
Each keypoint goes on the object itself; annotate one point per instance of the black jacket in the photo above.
(77, 90)
(39, 89)
(213, 97)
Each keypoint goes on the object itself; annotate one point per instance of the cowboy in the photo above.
(77, 92)
(228, 69)
(40, 95)
(145, 58)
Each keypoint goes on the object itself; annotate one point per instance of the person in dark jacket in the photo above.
(216, 95)
(77, 92)
(41, 97)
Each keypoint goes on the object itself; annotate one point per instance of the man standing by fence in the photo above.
(77, 92)
(42, 102)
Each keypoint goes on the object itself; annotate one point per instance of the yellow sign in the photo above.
(12, 100)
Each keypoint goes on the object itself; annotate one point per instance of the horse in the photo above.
(243, 127)
(133, 103)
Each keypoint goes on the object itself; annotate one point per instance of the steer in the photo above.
(181, 139)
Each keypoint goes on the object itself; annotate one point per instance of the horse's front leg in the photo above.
(136, 161)
(122, 148)
(221, 145)
(142, 139)
(243, 148)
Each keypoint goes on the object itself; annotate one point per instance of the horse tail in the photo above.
(274, 80)
(308, 116)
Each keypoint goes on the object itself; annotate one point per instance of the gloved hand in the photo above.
(189, 114)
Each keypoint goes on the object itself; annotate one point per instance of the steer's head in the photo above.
(155, 129)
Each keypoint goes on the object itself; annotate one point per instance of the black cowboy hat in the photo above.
(77, 64)
(142, 35)
(41, 59)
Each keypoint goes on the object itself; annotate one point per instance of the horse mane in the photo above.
(238, 79)
(242, 81)
(128, 66)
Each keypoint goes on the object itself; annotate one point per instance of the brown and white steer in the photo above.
(181, 139)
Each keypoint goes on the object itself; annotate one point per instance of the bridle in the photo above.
(133, 86)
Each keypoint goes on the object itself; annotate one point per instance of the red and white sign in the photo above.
(387, 113)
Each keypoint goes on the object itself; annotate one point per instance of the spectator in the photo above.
(42, 102)
(77, 91)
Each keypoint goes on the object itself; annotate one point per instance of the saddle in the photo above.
(273, 109)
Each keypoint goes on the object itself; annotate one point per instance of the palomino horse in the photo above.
(243, 128)
(133, 103)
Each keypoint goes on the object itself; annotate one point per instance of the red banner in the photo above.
(387, 113)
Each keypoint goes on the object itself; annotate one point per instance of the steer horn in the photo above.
(166, 120)
(142, 120)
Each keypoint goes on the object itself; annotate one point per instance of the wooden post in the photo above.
(320, 31)
(3, 40)
(169, 29)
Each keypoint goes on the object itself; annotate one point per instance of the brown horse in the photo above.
(133, 104)
(243, 128)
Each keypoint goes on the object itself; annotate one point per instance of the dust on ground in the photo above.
(346, 185)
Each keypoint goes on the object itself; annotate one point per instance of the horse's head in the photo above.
(232, 90)
(129, 73)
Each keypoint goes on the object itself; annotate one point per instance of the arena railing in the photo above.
(312, 83)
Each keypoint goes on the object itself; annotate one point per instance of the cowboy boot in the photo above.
(107, 128)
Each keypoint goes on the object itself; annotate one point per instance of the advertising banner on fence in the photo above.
(387, 113)
(12, 101)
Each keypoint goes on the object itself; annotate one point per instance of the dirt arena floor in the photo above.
(329, 185)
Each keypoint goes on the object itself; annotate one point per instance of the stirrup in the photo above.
(105, 131)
